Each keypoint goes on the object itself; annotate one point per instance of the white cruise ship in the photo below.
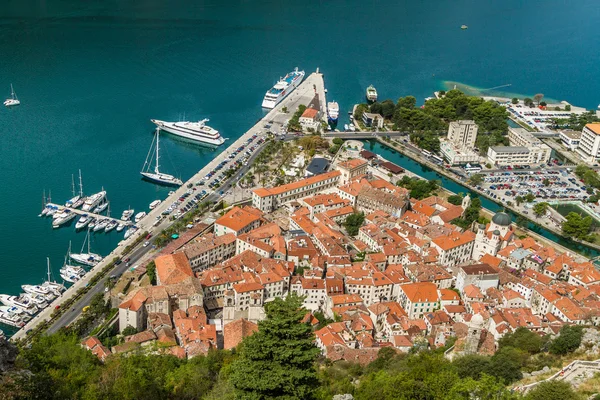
(93, 201)
(196, 131)
(282, 88)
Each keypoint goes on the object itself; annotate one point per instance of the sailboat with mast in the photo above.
(71, 273)
(53, 286)
(89, 258)
(13, 100)
(77, 200)
(157, 176)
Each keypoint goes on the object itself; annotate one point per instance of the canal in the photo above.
(427, 173)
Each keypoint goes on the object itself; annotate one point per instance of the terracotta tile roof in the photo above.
(477, 269)
(490, 260)
(172, 268)
(248, 287)
(341, 299)
(296, 185)
(352, 163)
(423, 292)
(141, 337)
(235, 331)
(206, 243)
(455, 239)
(449, 295)
(238, 218)
(309, 113)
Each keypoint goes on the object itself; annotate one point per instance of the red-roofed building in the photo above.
(419, 298)
(237, 221)
(172, 268)
(351, 169)
(235, 331)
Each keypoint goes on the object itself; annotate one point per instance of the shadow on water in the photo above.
(427, 173)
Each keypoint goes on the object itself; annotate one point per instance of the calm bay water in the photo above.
(90, 75)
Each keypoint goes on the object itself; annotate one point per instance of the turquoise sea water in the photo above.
(90, 75)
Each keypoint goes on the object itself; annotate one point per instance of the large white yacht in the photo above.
(196, 131)
(22, 302)
(282, 88)
(93, 201)
(64, 217)
(333, 111)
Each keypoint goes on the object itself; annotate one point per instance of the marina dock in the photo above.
(89, 214)
(273, 121)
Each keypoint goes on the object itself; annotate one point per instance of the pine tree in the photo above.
(278, 361)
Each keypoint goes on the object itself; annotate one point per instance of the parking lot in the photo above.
(234, 160)
(544, 185)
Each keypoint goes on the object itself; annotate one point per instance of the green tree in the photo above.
(529, 197)
(528, 102)
(546, 182)
(476, 179)
(568, 340)
(359, 110)
(455, 199)
(577, 226)
(543, 103)
(419, 188)
(515, 100)
(338, 141)
(552, 390)
(522, 339)
(151, 272)
(472, 366)
(129, 330)
(568, 107)
(278, 360)
(519, 200)
(540, 208)
(353, 223)
(506, 365)
(538, 97)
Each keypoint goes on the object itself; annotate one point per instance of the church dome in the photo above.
(496, 232)
(502, 219)
(477, 320)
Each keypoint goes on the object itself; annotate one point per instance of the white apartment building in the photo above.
(463, 133)
(419, 298)
(508, 155)
(455, 155)
(589, 145)
(539, 153)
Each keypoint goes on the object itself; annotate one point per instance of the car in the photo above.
(118, 262)
(146, 243)
(148, 236)
(127, 259)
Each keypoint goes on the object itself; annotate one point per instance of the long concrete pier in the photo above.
(303, 94)
(88, 213)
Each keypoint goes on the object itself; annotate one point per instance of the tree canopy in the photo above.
(277, 362)
(353, 223)
(419, 188)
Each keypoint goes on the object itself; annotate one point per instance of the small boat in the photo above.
(11, 309)
(64, 217)
(154, 204)
(93, 200)
(139, 216)
(12, 320)
(39, 290)
(130, 231)
(83, 221)
(157, 176)
(72, 273)
(92, 223)
(101, 225)
(52, 210)
(112, 224)
(13, 100)
(101, 207)
(36, 299)
(371, 93)
(333, 112)
(126, 216)
(52, 286)
(21, 301)
(464, 27)
(120, 227)
(89, 258)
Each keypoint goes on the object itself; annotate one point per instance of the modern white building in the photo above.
(508, 155)
(589, 145)
(570, 139)
(539, 153)
(455, 155)
(463, 134)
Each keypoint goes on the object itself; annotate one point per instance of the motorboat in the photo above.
(101, 207)
(101, 225)
(11, 319)
(120, 227)
(92, 223)
(83, 221)
(63, 218)
(130, 231)
(39, 291)
(126, 216)
(11, 309)
(24, 303)
(112, 224)
(154, 204)
(38, 300)
(139, 216)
